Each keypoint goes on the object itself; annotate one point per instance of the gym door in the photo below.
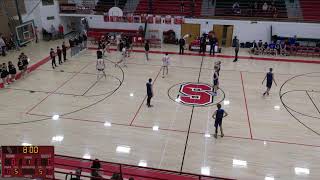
(192, 29)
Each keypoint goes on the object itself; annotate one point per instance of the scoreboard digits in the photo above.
(28, 161)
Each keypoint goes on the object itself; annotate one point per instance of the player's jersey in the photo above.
(219, 114)
(269, 77)
(124, 51)
(100, 64)
(165, 61)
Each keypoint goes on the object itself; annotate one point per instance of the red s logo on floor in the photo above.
(196, 94)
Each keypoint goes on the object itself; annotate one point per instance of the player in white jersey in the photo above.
(165, 64)
(123, 57)
(100, 68)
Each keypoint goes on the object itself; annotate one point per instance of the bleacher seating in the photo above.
(170, 7)
(224, 8)
(103, 6)
(310, 9)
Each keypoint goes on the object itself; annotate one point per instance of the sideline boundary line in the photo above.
(246, 104)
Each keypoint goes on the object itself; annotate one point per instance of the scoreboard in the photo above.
(28, 161)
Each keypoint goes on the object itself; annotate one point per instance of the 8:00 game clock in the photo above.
(28, 161)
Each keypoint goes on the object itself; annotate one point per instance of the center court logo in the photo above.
(194, 94)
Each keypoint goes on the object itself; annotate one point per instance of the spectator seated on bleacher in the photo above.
(95, 170)
(116, 176)
(265, 7)
(274, 11)
(254, 48)
(274, 48)
(236, 8)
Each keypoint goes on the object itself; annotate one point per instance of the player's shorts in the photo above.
(269, 84)
(100, 69)
(217, 122)
(215, 82)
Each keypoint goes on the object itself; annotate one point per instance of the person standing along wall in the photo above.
(85, 40)
(146, 49)
(236, 50)
(53, 58)
(64, 51)
(182, 43)
(61, 31)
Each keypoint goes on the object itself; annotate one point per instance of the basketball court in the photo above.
(273, 136)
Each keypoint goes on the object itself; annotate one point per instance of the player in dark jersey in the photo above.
(270, 78)
(99, 54)
(23, 64)
(53, 58)
(12, 71)
(64, 51)
(4, 74)
(218, 64)
(218, 115)
(59, 53)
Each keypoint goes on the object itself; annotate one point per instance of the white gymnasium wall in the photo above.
(40, 14)
(245, 30)
(97, 21)
(305, 30)
(248, 31)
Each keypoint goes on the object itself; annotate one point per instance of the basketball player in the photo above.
(4, 74)
(108, 43)
(149, 92)
(218, 115)
(59, 53)
(12, 71)
(99, 54)
(218, 64)
(165, 64)
(100, 67)
(21, 67)
(270, 78)
(129, 45)
(53, 58)
(123, 57)
(215, 80)
(25, 63)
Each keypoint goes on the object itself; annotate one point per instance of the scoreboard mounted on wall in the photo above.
(28, 161)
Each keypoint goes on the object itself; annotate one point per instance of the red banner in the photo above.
(178, 20)
(143, 19)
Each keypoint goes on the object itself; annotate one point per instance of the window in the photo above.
(47, 2)
(50, 18)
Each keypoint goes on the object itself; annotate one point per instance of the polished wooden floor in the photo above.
(272, 137)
